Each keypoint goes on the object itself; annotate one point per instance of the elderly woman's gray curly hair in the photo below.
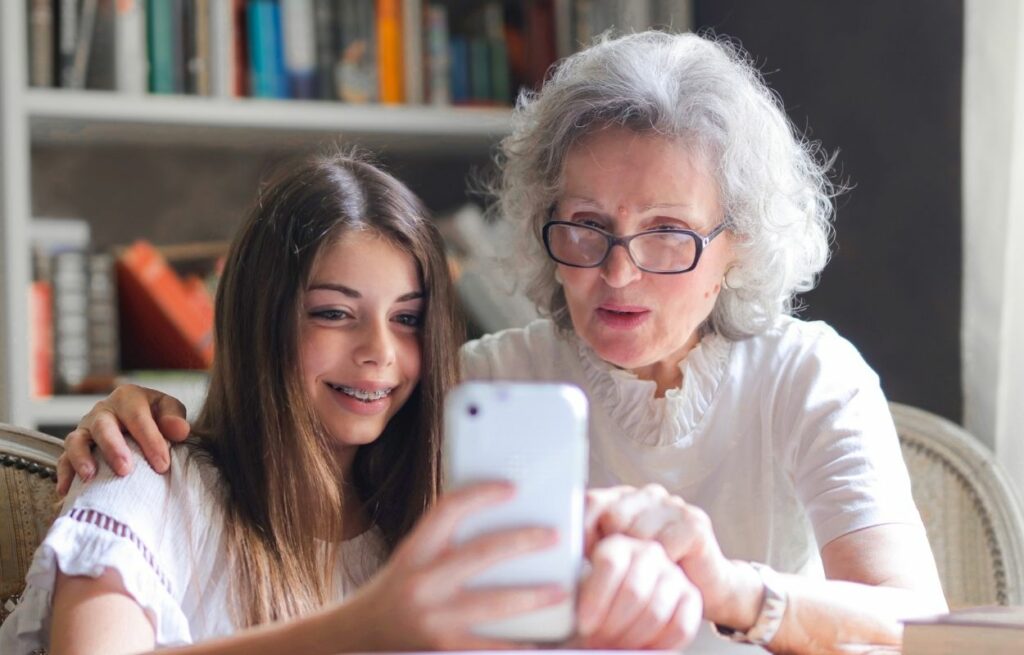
(703, 91)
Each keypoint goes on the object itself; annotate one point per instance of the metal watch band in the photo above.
(773, 607)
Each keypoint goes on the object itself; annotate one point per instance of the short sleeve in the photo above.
(841, 446)
(134, 526)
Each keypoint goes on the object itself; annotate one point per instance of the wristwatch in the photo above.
(773, 607)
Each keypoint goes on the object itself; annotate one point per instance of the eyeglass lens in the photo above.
(581, 245)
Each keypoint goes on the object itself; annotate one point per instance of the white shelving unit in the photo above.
(61, 117)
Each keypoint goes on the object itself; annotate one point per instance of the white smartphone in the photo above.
(535, 436)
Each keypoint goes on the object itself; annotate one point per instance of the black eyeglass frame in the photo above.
(702, 242)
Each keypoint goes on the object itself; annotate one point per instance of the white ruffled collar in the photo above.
(651, 421)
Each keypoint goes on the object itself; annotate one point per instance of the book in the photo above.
(98, 46)
(223, 57)
(325, 22)
(41, 45)
(199, 62)
(163, 34)
(67, 39)
(992, 630)
(70, 282)
(40, 338)
(299, 47)
(266, 53)
(390, 57)
(412, 48)
(102, 313)
(438, 58)
(165, 322)
(356, 73)
(131, 61)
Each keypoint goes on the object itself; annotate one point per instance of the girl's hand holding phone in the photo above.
(420, 601)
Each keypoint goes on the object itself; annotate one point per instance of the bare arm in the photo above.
(876, 576)
(418, 601)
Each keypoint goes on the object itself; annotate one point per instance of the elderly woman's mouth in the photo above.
(622, 317)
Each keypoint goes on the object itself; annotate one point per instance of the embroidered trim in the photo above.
(105, 522)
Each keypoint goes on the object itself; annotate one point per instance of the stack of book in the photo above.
(388, 51)
(993, 630)
(94, 315)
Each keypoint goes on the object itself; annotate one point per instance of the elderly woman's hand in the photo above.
(635, 597)
(651, 514)
(148, 416)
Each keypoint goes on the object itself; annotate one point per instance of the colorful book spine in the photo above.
(326, 27)
(389, 51)
(163, 47)
(438, 56)
(41, 338)
(266, 55)
(41, 46)
(356, 73)
(299, 47)
(131, 66)
(164, 323)
(459, 72)
(414, 69)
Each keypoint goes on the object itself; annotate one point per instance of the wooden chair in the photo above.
(970, 509)
(28, 476)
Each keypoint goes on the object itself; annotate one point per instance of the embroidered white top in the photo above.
(164, 535)
(784, 439)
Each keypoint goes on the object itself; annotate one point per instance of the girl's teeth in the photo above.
(365, 396)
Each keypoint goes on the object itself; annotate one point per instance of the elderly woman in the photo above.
(670, 214)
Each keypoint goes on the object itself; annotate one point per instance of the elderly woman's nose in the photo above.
(618, 269)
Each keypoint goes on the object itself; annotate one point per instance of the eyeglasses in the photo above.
(664, 251)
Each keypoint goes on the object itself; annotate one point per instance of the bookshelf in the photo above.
(65, 118)
(41, 129)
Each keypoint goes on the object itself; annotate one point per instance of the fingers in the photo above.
(170, 415)
(433, 533)
(609, 562)
(477, 606)
(637, 567)
(137, 409)
(463, 562)
(105, 431)
(671, 618)
(65, 475)
(77, 457)
(597, 503)
(622, 515)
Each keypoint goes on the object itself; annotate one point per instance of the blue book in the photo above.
(266, 55)
(460, 82)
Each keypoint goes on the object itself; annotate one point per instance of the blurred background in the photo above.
(138, 132)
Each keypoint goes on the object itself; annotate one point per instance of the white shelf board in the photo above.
(91, 117)
(62, 410)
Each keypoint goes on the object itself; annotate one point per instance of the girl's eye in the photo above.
(330, 314)
(409, 320)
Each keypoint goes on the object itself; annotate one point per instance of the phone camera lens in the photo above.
(473, 410)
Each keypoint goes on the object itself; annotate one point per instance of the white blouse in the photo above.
(164, 535)
(784, 439)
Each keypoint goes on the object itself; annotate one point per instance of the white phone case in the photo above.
(534, 435)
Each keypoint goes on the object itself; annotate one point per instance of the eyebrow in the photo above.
(352, 293)
(646, 208)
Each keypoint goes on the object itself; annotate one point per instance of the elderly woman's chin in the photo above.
(636, 343)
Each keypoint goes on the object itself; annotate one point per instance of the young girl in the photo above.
(315, 454)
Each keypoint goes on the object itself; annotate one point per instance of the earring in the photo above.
(558, 277)
(733, 278)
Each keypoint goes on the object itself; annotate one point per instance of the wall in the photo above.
(878, 83)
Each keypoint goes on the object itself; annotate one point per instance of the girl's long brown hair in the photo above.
(282, 488)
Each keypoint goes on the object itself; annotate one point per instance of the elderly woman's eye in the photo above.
(592, 220)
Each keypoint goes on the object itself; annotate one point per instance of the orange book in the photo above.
(390, 55)
(165, 322)
(41, 338)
